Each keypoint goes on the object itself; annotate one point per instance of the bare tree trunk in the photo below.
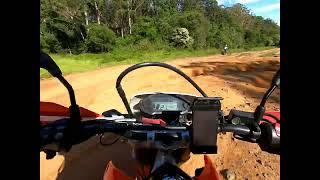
(129, 17)
(70, 52)
(86, 16)
(129, 13)
(82, 36)
(129, 24)
(122, 32)
(98, 12)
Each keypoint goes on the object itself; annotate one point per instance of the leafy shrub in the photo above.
(145, 29)
(126, 41)
(180, 38)
(144, 45)
(269, 42)
(100, 39)
(49, 43)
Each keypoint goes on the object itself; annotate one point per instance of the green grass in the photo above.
(69, 65)
(87, 62)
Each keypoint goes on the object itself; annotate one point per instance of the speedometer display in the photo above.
(157, 104)
(165, 106)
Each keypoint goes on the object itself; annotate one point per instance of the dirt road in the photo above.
(241, 79)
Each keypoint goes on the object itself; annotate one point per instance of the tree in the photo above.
(100, 39)
(241, 15)
(197, 25)
(66, 24)
(145, 29)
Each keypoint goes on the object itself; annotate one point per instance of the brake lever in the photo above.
(245, 118)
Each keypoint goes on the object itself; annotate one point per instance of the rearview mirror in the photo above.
(47, 63)
(260, 110)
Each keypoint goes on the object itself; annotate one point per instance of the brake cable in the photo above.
(146, 64)
(108, 144)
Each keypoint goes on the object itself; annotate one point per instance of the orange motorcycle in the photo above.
(162, 128)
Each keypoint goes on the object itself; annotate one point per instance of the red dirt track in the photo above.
(241, 79)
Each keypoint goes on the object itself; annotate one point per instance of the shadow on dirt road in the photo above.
(241, 76)
(248, 77)
(89, 160)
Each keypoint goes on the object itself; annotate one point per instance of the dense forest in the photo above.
(95, 26)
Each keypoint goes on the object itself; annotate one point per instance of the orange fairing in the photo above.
(51, 111)
(209, 171)
(113, 173)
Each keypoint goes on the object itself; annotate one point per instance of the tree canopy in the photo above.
(76, 26)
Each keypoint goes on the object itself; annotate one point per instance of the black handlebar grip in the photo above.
(237, 129)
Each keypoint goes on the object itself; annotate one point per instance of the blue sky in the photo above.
(265, 8)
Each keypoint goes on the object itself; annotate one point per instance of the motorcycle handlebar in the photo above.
(237, 129)
(53, 133)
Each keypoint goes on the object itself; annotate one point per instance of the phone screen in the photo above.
(204, 130)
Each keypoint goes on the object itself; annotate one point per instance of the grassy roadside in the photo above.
(87, 62)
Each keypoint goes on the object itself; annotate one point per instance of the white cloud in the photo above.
(267, 8)
(246, 1)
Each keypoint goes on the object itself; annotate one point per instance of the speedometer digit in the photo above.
(160, 103)
(162, 106)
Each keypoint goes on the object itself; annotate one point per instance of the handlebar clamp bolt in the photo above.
(58, 136)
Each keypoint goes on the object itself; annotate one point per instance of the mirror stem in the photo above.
(74, 108)
(69, 88)
(260, 110)
(267, 95)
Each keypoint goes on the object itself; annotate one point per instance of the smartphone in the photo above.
(205, 118)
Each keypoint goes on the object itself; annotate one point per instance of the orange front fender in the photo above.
(209, 172)
(113, 173)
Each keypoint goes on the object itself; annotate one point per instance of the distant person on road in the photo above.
(225, 49)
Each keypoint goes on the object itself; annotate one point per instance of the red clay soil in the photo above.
(241, 79)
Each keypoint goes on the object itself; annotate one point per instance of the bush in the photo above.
(100, 39)
(164, 29)
(181, 39)
(144, 45)
(197, 26)
(125, 42)
(49, 43)
(145, 29)
(276, 40)
(67, 34)
(82, 48)
(277, 44)
(269, 42)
